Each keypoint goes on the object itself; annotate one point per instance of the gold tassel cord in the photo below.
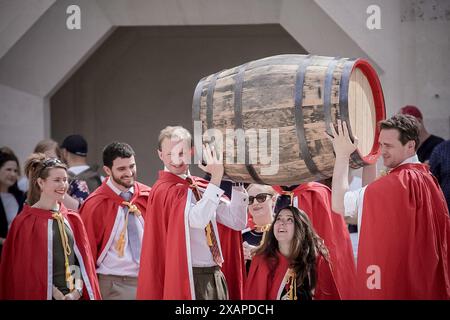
(66, 247)
(208, 234)
(292, 282)
(120, 245)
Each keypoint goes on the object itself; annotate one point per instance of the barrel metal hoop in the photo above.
(299, 126)
(196, 101)
(327, 91)
(209, 100)
(343, 94)
(238, 88)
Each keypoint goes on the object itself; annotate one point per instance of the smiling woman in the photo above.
(59, 249)
(292, 262)
(11, 198)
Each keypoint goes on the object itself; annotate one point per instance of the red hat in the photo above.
(412, 111)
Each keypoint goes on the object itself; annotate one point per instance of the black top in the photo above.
(20, 198)
(59, 268)
(426, 148)
(252, 237)
(303, 292)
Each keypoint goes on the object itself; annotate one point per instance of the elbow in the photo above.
(337, 208)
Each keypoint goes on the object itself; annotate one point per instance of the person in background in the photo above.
(48, 147)
(83, 179)
(261, 205)
(440, 167)
(11, 198)
(427, 141)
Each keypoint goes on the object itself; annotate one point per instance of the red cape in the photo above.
(165, 272)
(99, 213)
(405, 231)
(233, 266)
(262, 285)
(25, 263)
(315, 199)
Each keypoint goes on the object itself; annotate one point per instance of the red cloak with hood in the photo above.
(27, 266)
(404, 236)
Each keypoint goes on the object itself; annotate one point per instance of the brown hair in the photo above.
(6, 154)
(406, 125)
(177, 132)
(39, 166)
(306, 246)
(46, 145)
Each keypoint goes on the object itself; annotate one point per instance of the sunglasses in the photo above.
(52, 162)
(260, 197)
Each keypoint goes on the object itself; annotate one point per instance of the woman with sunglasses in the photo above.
(46, 254)
(260, 206)
(292, 262)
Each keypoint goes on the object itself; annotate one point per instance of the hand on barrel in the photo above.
(342, 144)
(213, 164)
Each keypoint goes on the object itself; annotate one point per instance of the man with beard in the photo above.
(113, 217)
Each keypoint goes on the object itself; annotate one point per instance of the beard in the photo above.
(123, 183)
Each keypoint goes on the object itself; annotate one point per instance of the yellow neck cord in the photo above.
(66, 247)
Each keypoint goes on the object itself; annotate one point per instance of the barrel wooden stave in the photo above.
(268, 95)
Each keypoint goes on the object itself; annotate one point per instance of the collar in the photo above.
(115, 189)
(78, 169)
(413, 159)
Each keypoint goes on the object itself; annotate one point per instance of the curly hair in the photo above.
(306, 246)
(116, 150)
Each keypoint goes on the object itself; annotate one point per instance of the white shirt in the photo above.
(10, 205)
(112, 264)
(78, 169)
(354, 200)
(211, 207)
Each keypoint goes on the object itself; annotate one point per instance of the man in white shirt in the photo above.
(402, 220)
(181, 253)
(113, 217)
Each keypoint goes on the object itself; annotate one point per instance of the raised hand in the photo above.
(342, 144)
(214, 164)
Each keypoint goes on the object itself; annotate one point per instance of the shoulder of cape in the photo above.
(95, 199)
(144, 190)
(400, 179)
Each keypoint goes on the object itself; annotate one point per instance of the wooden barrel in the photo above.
(296, 97)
